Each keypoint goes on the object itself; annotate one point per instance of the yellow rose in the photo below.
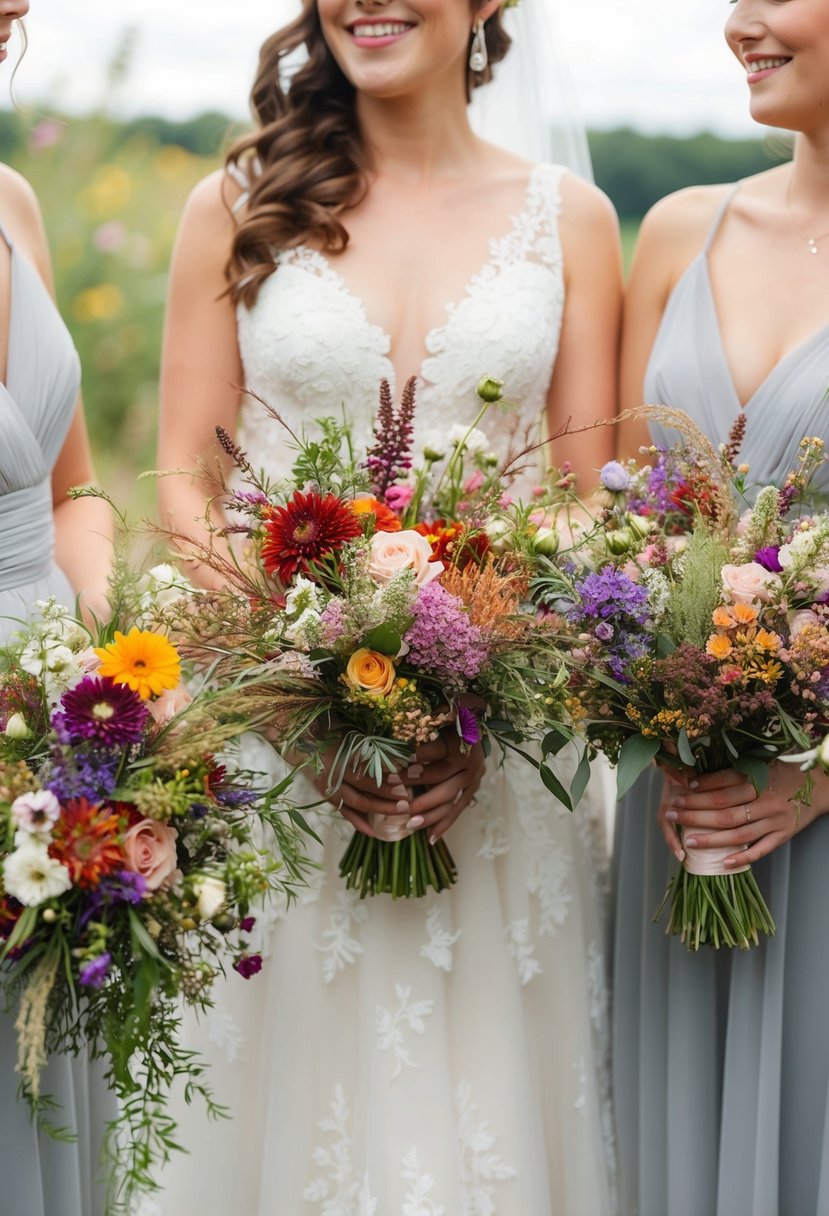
(370, 672)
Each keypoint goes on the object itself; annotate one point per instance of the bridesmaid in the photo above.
(722, 1059)
(49, 545)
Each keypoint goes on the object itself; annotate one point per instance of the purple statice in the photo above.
(769, 558)
(442, 640)
(99, 711)
(233, 798)
(333, 622)
(610, 593)
(390, 458)
(660, 487)
(82, 773)
(94, 973)
(469, 728)
(248, 965)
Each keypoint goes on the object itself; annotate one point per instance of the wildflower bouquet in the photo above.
(128, 861)
(377, 594)
(704, 642)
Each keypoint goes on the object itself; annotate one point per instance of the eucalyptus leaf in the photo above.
(635, 755)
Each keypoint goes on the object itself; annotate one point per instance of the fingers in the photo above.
(357, 821)
(723, 779)
(747, 857)
(725, 797)
(437, 808)
(355, 799)
(671, 836)
(428, 753)
(748, 834)
(717, 821)
(443, 770)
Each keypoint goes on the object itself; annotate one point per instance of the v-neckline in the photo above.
(796, 352)
(323, 264)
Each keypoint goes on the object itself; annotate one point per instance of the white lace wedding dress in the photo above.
(435, 1057)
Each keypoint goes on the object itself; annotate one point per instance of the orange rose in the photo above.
(370, 672)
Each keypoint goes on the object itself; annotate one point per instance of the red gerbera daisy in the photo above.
(86, 839)
(305, 530)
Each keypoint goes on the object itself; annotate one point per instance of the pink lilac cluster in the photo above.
(443, 641)
(391, 456)
(333, 623)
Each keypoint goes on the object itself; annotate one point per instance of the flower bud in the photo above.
(619, 540)
(639, 526)
(546, 541)
(17, 728)
(500, 533)
(489, 389)
(210, 896)
(49, 915)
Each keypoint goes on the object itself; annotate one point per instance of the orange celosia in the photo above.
(144, 661)
(719, 646)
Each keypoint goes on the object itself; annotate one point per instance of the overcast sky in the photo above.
(661, 65)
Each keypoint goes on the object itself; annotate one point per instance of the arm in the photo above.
(200, 362)
(583, 387)
(83, 528)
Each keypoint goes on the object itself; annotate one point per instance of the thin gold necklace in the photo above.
(811, 241)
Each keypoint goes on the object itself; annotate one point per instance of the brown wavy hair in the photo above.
(311, 162)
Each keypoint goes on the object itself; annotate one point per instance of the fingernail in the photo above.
(414, 771)
(417, 821)
(694, 784)
(433, 840)
(678, 802)
(402, 806)
(733, 861)
(691, 842)
(672, 815)
(679, 854)
(398, 791)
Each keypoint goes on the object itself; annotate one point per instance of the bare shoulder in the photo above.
(21, 216)
(211, 202)
(583, 201)
(682, 221)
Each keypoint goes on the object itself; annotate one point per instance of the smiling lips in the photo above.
(377, 34)
(759, 69)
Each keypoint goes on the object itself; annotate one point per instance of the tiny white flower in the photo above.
(17, 727)
(163, 585)
(35, 812)
(297, 631)
(211, 894)
(31, 876)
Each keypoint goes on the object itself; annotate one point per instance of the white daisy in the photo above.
(31, 876)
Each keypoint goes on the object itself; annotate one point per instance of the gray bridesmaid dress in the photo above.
(721, 1066)
(38, 1175)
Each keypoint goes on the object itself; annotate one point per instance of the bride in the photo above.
(444, 1055)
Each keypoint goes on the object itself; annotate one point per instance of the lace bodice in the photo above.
(308, 348)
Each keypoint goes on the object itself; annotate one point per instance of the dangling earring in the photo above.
(478, 57)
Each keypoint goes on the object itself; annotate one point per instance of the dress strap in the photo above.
(718, 218)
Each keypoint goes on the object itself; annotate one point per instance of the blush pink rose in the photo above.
(150, 850)
(749, 584)
(801, 619)
(392, 552)
(166, 707)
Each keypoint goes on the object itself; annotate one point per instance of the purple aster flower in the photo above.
(604, 631)
(248, 965)
(100, 711)
(609, 593)
(469, 728)
(615, 477)
(442, 640)
(93, 973)
(768, 558)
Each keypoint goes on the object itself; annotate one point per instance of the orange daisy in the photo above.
(144, 661)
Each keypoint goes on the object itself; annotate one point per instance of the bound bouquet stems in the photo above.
(405, 868)
(715, 907)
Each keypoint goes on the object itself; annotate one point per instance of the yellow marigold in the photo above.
(722, 618)
(766, 640)
(370, 671)
(144, 661)
(744, 614)
(719, 645)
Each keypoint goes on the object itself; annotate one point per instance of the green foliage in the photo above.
(697, 595)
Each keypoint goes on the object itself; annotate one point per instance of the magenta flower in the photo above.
(247, 923)
(96, 709)
(768, 558)
(248, 965)
(399, 497)
(469, 728)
